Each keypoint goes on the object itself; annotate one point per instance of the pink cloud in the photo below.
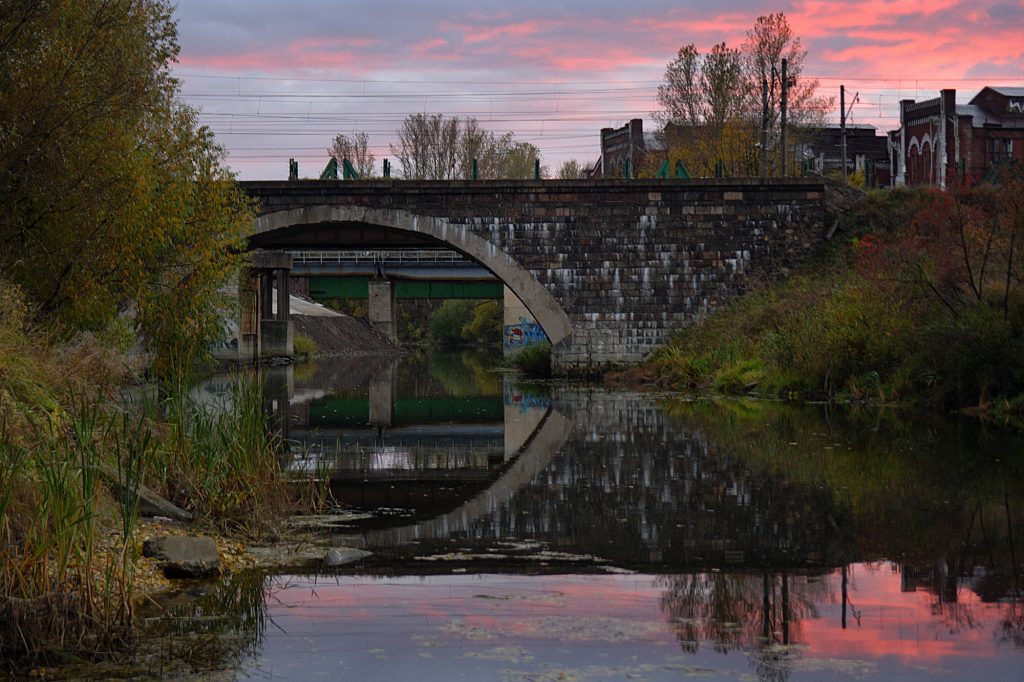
(301, 53)
(481, 33)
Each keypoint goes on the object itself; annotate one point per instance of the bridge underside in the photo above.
(340, 235)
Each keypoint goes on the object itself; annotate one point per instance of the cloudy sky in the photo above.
(277, 79)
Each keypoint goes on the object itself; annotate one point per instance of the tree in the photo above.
(114, 197)
(570, 170)
(355, 148)
(711, 104)
(447, 322)
(767, 44)
(486, 326)
(703, 98)
(433, 147)
(428, 147)
(961, 247)
(680, 95)
(521, 162)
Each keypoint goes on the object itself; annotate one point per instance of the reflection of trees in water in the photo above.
(946, 494)
(213, 631)
(749, 611)
(1011, 628)
(466, 373)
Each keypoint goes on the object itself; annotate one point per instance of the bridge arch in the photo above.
(537, 299)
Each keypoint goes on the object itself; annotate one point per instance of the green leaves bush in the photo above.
(459, 322)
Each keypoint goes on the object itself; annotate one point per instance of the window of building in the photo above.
(1000, 150)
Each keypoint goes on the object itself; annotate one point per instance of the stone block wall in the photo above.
(629, 261)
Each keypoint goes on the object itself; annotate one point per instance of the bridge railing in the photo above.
(379, 257)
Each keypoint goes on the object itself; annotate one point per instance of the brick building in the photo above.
(813, 151)
(938, 138)
(618, 145)
(865, 149)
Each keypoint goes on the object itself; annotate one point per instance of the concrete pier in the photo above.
(383, 312)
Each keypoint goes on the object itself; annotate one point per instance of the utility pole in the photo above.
(764, 127)
(842, 126)
(843, 114)
(785, 92)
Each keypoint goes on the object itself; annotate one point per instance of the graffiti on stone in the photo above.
(515, 396)
(523, 333)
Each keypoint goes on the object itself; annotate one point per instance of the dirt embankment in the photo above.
(343, 335)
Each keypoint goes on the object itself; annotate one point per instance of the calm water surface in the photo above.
(525, 532)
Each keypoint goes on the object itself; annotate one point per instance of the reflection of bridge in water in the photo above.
(587, 473)
(382, 449)
(609, 475)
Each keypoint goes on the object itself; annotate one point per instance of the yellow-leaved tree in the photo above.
(115, 198)
(712, 106)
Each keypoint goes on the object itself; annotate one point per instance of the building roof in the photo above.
(981, 118)
(1008, 92)
(977, 114)
(849, 126)
(654, 141)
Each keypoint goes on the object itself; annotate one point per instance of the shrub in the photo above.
(486, 326)
(534, 361)
(305, 345)
(447, 322)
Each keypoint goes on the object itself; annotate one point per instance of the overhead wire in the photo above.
(301, 114)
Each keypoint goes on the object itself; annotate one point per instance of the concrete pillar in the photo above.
(901, 173)
(382, 396)
(266, 295)
(283, 297)
(277, 336)
(382, 309)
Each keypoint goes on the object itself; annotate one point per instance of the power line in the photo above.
(407, 81)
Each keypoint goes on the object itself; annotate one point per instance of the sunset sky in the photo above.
(276, 80)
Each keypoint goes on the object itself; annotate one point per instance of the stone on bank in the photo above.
(184, 556)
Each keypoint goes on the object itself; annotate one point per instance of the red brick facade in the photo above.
(938, 139)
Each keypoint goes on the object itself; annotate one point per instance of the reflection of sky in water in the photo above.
(506, 627)
(483, 466)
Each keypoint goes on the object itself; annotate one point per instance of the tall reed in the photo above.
(222, 459)
(60, 595)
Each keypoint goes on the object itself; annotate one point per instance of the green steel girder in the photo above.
(322, 288)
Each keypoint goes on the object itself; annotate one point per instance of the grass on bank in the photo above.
(534, 360)
(305, 346)
(917, 301)
(67, 544)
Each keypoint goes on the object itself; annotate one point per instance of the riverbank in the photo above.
(342, 336)
(916, 301)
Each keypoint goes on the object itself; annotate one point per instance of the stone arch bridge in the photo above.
(607, 267)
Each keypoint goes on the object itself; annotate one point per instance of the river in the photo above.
(565, 532)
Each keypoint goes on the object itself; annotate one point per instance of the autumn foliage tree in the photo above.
(962, 247)
(712, 103)
(115, 198)
(957, 268)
